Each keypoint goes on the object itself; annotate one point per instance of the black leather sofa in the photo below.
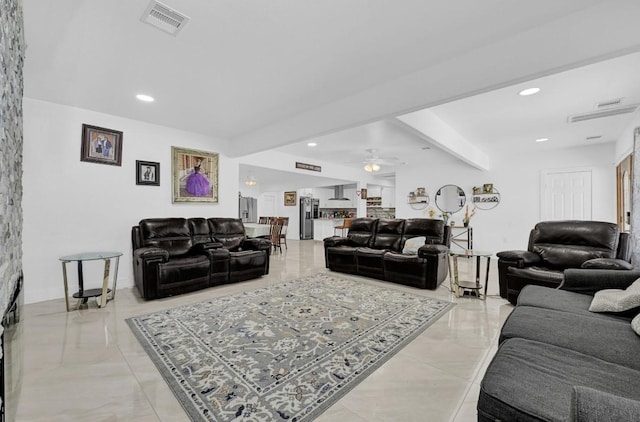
(172, 256)
(373, 248)
(557, 361)
(558, 245)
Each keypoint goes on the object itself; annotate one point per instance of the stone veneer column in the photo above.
(11, 90)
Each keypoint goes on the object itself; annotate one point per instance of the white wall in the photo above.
(517, 178)
(624, 145)
(72, 206)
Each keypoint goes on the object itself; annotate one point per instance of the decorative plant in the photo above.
(445, 216)
(467, 216)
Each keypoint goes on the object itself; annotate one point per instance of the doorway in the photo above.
(624, 173)
(566, 195)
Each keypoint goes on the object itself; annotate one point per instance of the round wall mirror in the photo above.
(450, 198)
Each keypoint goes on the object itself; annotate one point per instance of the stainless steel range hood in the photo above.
(338, 194)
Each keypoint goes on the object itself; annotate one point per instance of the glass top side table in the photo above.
(83, 295)
(457, 284)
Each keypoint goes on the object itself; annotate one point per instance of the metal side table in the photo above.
(83, 295)
(457, 284)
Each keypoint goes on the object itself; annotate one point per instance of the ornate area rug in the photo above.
(280, 353)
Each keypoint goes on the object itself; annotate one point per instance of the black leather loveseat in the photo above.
(178, 255)
(558, 245)
(374, 248)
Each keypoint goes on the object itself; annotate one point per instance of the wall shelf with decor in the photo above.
(374, 201)
(486, 197)
(418, 199)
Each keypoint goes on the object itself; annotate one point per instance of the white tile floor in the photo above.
(87, 366)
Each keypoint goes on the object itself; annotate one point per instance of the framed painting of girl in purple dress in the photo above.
(195, 175)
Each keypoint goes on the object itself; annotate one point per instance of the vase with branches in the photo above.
(467, 215)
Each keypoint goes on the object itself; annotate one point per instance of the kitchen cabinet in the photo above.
(323, 228)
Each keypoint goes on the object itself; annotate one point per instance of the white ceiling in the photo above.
(269, 74)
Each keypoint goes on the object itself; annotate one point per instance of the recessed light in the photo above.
(145, 98)
(542, 140)
(529, 91)
(312, 144)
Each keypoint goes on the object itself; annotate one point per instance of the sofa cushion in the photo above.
(591, 405)
(411, 245)
(183, 269)
(388, 234)
(170, 234)
(433, 230)
(611, 340)
(361, 231)
(561, 300)
(532, 381)
(617, 300)
(228, 231)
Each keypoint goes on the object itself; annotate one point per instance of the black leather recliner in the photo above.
(558, 245)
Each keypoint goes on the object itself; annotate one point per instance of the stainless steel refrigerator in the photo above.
(308, 211)
(248, 210)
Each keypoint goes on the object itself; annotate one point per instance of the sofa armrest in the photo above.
(425, 250)
(335, 241)
(519, 259)
(590, 405)
(148, 253)
(588, 281)
(256, 244)
(607, 264)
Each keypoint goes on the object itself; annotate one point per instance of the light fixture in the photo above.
(542, 140)
(251, 181)
(371, 167)
(145, 98)
(312, 144)
(529, 91)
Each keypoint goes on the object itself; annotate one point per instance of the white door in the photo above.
(268, 208)
(566, 195)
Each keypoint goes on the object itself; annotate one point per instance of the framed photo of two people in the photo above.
(101, 145)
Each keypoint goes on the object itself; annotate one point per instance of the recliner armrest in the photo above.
(589, 281)
(607, 264)
(151, 253)
(591, 405)
(256, 244)
(425, 250)
(335, 241)
(519, 259)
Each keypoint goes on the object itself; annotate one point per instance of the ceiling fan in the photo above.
(373, 162)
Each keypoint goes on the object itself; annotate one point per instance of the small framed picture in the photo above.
(147, 173)
(290, 199)
(487, 188)
(101, 145)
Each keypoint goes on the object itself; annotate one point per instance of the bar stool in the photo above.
(346, 224)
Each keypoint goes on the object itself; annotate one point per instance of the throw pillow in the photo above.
(616, 300)
(411, 245)
(635, 324)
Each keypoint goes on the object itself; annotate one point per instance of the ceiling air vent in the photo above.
(602, 113)
(607, 104)
(164, 18)
(593, 138)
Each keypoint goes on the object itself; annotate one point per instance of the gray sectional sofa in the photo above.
(557, 361)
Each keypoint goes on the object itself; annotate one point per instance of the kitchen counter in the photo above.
(323, 227)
